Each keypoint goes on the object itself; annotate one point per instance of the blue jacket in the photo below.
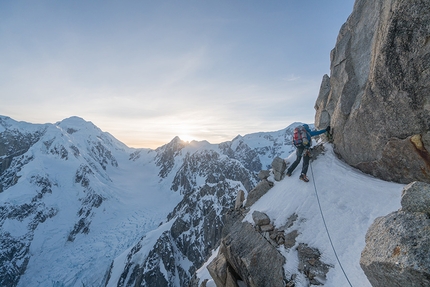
(310, 133)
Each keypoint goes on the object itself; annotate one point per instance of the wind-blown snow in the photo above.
(350, 202)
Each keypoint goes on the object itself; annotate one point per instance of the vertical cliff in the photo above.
(377, 96)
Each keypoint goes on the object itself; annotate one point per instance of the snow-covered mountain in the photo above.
(79, 208)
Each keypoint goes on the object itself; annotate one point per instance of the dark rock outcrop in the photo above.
(377, 96)
(397, 245)
(311, 266)
(245, 255)
(251, 254)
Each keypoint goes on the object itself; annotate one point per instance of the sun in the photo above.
(186, 137)
(185, 133)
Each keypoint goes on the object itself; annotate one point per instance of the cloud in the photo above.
(292, 78)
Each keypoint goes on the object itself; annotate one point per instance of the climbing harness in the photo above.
(326, 229)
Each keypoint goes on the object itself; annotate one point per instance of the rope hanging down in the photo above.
(326, 229)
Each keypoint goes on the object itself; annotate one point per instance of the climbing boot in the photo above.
(288, 173)
(304, 177)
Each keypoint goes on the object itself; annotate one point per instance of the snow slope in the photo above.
(350, 202)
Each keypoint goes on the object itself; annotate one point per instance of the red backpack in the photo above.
(300, 136)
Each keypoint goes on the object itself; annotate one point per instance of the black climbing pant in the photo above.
(299, 154)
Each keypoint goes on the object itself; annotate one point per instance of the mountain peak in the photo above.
(74, 120)
(176, 139)
(74, 124)
(7, 123)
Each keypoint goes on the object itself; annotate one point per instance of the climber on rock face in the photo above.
(302, 141)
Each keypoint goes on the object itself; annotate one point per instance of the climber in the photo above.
(302, 141)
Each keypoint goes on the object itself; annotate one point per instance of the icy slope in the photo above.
(350, 202)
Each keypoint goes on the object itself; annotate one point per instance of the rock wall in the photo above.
(397, 245)
(377, 97)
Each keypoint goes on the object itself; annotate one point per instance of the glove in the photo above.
(328, 129)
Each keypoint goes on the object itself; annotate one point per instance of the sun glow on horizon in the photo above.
(186, 137)
(185, 133)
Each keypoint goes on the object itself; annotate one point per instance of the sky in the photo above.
(147, 71)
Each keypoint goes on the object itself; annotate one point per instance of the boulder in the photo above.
(254, 260)
(240, 198)
(397, 250)
(267, 228)
(376, 98)
(416, 198)
(258, 191)
(221, 272)
(260, 218)
(279, 166)
(397, 245)
(263, 174)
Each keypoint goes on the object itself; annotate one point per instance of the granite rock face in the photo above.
(397, 245)
(377, 97)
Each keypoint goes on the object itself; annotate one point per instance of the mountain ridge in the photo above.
(82, 187)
